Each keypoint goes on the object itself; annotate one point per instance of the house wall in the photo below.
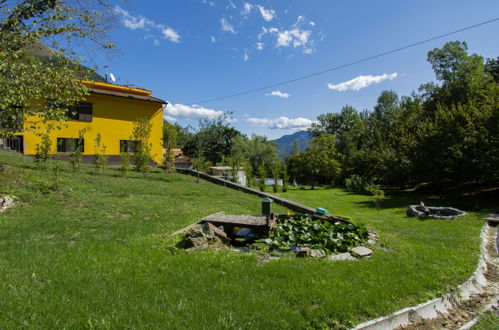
(113, 118)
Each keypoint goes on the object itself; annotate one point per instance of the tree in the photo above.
(45, 84)
(170, 134)
(217, 135)
(323, 160)
(261, 153)
(141, 133)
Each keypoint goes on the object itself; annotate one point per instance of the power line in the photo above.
(343, 65)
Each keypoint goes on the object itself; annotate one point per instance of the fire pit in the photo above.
(429, 212)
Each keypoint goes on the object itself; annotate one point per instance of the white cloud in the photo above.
(312, 23)
(260, 45)
(246, 57)
(297, 124)
(247, 7)
(142, 23)
(267, 14)
(213, 39)
(295, 37)
(181, 111)
(226, 26)
(210, 3)
(279, 94)
(171, 34)
(360, 82)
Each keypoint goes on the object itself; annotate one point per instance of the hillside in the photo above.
(285, 142)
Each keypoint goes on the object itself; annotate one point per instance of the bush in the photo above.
(125, 163)
(356, 184)
(43, 151)
(100, 157)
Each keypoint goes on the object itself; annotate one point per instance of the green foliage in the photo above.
(43, 151)
(100, 158)
(275, 175)
(35, 79)
(216, 136)
(263, 175)
(285, 178)
(447, 132)
(357, 184)
(170, 133)
(141, 132)
(124, 163)
(301, 230)
(76, 157)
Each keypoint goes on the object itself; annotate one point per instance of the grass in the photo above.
(89, 251)
(488, 321)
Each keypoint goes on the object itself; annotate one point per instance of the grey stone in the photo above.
(303, 252)
(341, 257)
(362, 251)
(315, 253)
(423, 212)
(6, 201)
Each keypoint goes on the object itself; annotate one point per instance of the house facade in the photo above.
(110, 110)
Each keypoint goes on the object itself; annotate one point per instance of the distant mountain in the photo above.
(285, 142)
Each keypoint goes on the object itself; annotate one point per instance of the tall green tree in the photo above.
(45, 85)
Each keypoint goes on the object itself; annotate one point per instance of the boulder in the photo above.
(362, 251)
(6, 201)
(341, 257)
(313, 253)
(303, 252)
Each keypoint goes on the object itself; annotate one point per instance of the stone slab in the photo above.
(341, 257)
(362, 251)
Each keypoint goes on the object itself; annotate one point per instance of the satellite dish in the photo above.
(112, 77)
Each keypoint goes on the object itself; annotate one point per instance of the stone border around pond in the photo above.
(432, 308)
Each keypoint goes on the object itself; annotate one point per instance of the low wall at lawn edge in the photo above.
(278, 200)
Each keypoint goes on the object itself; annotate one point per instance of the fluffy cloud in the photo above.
(142, 23)
(246, 57)
(296, 36)
(267, 14)
(260, 45)
(181, 111)
(213, 39)
(278, 94)
(247, 7)
(360, 82)
(226, 26)
(297, 124)
(171, 34)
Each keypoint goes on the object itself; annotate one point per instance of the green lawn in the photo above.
(88, 251)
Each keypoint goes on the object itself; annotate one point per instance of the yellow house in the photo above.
(109, 110)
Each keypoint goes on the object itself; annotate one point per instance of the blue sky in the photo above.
(191, 50)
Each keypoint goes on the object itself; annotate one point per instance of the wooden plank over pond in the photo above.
(246, 221)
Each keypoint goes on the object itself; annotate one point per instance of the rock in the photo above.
(341, 257)
(362, 251)
(313, 253)
(194, 242)
(210, 230)
(6, 201)
(303, 252)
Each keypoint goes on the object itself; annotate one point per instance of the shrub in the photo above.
(99, 154)
(125, 163)
(43, 151)
(76, 156)
(356, 184)
(261, 173)
(141, 133)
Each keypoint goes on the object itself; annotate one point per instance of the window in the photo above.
(128, 146)
(69, 144)
(81, 112)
